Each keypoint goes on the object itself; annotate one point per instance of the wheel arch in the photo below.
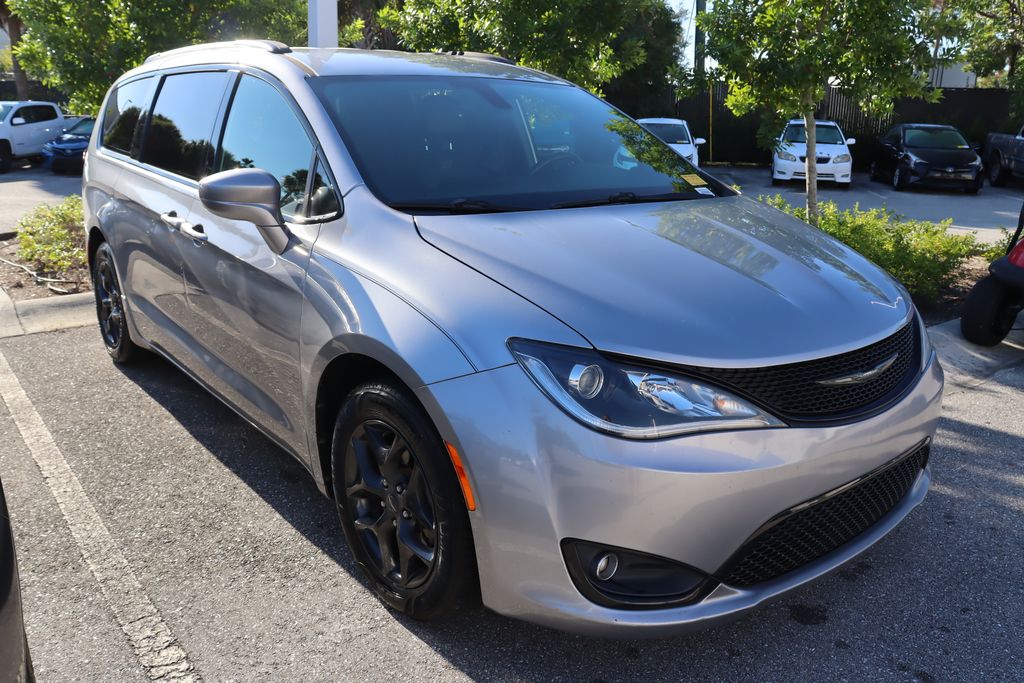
(343, 366)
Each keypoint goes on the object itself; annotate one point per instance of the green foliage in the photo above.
(6, 65)
(924, 256)
(352, 33)
(993, 38)
(81, 46)
(649, 88)
(576, 39)
(779, 55)
(51, 238)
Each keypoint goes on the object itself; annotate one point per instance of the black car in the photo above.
(15, 664)
(927, 154)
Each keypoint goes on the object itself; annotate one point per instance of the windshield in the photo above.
(4, 108)
(934, 138)
(439, 143)
(672, 133)
(83, 127)
(825, 134)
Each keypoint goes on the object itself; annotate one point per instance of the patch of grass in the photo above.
(922, 255)
(51, 239)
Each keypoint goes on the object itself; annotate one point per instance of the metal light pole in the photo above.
(323, 23)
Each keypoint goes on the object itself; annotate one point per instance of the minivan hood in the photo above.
(724, 282)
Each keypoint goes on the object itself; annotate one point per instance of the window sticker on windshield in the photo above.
(704, 190)
(694, 179)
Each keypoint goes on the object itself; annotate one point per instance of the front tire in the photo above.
(988, 312)
(400, 503)
(110, 311)
(899, 181)
(997, 175)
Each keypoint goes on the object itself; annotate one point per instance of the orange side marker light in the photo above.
(460, 472)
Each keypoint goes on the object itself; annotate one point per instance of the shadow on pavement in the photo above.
(920, 605)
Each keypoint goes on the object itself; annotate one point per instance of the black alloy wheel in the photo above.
(110, 306)
(390, 505)
(401, 505)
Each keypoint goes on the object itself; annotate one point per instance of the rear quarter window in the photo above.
(124, 115)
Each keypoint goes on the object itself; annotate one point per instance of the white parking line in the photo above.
(155, 645)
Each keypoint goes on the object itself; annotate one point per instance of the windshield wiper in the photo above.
(628, 198)
(456, 206)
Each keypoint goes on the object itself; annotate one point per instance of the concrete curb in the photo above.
(45, 315)
(968, 365)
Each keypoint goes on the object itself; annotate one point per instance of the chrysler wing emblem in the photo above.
(861, 377)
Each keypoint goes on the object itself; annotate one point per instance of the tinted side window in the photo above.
(182, 122)
(124, 114)
(37, 113)
(263, 132)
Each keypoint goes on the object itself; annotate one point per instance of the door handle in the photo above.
(196, 232)
(172, 220)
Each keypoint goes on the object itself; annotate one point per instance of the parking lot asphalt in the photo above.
(986, 213)
(25, 187)
(243, 560)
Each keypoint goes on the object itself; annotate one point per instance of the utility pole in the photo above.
(323, 23)
(700, 8)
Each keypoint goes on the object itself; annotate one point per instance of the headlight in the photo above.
(841, 159)
(632, 401)
(913, 159)
(976, 163)
(926, 341)
(786, 156)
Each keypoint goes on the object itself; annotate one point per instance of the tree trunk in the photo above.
(811, 167)
(20, 78)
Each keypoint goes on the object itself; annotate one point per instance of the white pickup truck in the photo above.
(26, 126)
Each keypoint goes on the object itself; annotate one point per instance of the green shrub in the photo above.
(51, 238)
(924, 256)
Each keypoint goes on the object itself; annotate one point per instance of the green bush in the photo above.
(51, 238)
(924, 256)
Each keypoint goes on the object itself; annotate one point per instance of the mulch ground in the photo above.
(19, 285)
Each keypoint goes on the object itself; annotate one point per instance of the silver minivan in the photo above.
(533, 355)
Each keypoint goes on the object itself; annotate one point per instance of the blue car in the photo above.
(64, 152)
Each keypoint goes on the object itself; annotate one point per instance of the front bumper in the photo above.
(62, 160)
(796, 170)
(943, 178)
(540, 477)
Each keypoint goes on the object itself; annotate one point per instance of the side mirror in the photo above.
(247, 194)
(699, 141)
(851, 141)
(17, 121)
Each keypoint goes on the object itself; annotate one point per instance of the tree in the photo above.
(780, 55)
(994, 37)
(574, 39)
(81, 46)
(649, 88)
(11, 23)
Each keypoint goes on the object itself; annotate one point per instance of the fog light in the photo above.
(586, 380)
(606, 566)
(628, 579)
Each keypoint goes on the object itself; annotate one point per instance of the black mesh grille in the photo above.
(808, 531)
(792, 391)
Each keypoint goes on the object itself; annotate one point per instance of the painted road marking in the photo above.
(155, 645)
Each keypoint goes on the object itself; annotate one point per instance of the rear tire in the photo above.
(5, 156)
(988, 314)
(873, 172)
(110, 311)
(400, 503)
(997, 175)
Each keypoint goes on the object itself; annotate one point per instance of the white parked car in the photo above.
(835, 163)
(676, 133)
(26, 126)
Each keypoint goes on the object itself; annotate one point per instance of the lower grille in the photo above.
(807, 531)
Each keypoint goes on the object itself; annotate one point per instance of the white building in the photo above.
(953, 76)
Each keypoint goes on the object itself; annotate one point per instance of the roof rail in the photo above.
(271, 46)
(478, 55)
